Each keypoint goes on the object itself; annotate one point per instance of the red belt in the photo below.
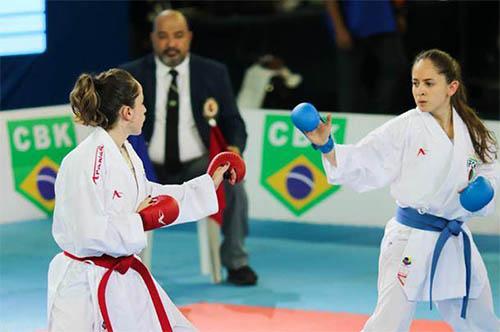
(122, 264)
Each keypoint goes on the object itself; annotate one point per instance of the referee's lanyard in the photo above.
(412, 218)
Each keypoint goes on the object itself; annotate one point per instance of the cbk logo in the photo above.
(37, 148)
(291, 169)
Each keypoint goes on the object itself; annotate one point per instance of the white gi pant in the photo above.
(394, 313)
(73, 304)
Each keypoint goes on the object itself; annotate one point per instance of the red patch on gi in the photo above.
(99, 152)
(402, 278)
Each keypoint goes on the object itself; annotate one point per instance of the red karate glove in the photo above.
(162, 212)
(235, 161)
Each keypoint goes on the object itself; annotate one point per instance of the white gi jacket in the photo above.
(96, 198)
(425, 170)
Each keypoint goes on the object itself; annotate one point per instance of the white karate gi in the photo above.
(425, 170)
(97, 195)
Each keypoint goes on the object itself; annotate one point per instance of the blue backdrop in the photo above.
(82, 36)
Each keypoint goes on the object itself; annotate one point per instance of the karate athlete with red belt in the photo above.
(105, 205)
(441, 164)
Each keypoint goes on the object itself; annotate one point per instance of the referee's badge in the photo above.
(210, 110)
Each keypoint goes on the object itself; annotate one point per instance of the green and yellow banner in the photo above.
(291, 169)
(37, 148)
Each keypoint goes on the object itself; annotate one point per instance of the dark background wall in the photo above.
(469, 30)
(82, 36)
(96, 35)
(238, 32)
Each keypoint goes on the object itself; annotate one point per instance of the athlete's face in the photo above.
(171, 39)
(430, 89)
(138, 113)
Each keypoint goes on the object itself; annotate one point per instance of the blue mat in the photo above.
(303, 266)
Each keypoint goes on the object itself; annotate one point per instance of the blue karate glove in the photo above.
(306, 118)
(477, 194)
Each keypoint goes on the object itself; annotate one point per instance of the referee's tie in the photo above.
(172, 161)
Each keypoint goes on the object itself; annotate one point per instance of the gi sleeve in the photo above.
(197, 198)
(372, 163)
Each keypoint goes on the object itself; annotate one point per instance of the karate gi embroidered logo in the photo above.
(404, 270)
(117, 194)
(472, 164)
(99, 152)
(407, 261)
(402, 277)
(160, 218)
(421, 152)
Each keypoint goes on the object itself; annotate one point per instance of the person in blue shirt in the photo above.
(367, 30)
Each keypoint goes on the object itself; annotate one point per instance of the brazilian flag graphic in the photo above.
(291, 169)
(39, 184)
(37, 148)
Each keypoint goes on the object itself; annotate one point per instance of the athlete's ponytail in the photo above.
(96, 100)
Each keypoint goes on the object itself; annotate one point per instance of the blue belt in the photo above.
(412, 218)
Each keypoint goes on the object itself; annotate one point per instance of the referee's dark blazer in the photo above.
(208, 79)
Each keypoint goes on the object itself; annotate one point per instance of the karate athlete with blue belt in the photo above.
(441, 164)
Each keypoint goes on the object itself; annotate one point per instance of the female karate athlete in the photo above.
(104, 205)
(440, 162)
